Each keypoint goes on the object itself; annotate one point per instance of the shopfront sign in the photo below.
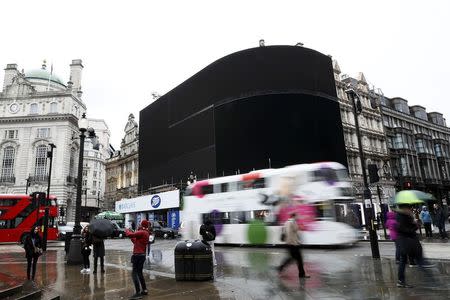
(150, 202)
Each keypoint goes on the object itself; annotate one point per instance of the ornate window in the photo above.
(8, 162)
(53, 107)
(33, 108)
(40, 168)
(43, 132)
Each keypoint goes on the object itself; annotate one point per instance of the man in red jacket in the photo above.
(140, 240)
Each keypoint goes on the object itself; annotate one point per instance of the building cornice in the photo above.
(40, 118)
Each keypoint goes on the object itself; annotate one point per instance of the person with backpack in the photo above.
(86, 243)
(99, 252)
(292, 239)
(33, 249)
(208, 233)
(140, 240)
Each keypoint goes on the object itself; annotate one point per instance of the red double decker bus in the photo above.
(18, 213)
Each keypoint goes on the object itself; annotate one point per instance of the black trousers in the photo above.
(294, 254)
(428, 232)
(102, 262)
(31, 264)
(86, 259)
(138, 278)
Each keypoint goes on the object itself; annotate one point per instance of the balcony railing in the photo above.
(39, 178)
(7, 179)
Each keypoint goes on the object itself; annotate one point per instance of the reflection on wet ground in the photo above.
(242, 273)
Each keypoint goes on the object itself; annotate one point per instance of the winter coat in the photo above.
(291, 230)
(31, 249)
(425, 216)
(440, 217)
(139, 239)
(208, 228)
(407, 239)
(99, 246)
(391, 224)
(86, 241)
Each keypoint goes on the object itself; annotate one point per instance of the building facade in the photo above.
(38, 108)
(419, 146)
(122, 167)
(373, 136)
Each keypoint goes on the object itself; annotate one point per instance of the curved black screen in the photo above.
(276, 103)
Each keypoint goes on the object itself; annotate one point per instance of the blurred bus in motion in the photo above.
(251, 208)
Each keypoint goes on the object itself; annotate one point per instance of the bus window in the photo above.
(207, 189)
(325, 174)
(245, 185)
(259, 183)
(237, 217)
(8, 202)
(324, 210)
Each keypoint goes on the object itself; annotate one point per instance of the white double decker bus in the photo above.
(251, 208)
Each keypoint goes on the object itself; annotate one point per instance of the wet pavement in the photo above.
(242, 273)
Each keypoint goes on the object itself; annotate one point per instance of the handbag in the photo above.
(283, 234)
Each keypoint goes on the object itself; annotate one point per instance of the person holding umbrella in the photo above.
(140, 239)
(100, 229)
(407, 239)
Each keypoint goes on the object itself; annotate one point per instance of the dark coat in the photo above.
(99, 246)
(30, 249)
(440, 217)
(208, 227)
(407, 239)
(86, 241)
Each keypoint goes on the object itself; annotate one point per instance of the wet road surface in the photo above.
(242, 273)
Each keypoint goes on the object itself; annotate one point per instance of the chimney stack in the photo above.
(76, 68)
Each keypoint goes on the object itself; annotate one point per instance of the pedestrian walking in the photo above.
(409, 244)
(391, 224)
(425, 217)
(99, 252)
(292, 238)
(140, 240)
(440, 220)
(33, 249)
(208, 233)
(86, 244)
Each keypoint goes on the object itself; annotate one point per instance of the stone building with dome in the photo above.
(38, 107)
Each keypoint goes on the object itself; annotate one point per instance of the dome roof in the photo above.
(44, 75)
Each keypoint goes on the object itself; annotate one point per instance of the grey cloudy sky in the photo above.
(131, 48)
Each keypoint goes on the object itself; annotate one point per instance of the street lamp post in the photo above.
(368, 204)
(75, 257)
(44, 238)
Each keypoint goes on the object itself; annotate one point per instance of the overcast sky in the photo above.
(132, 48)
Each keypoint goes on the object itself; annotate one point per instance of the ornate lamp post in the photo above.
(75, 257)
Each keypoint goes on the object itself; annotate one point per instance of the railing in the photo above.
(7, 179)
(39, 178)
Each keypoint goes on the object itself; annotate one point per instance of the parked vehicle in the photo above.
(118, 232)
(164, 232)
(64, 229)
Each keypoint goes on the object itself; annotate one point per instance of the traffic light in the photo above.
(61, 211)
(408, 185)
(38, 198)
(373, 173)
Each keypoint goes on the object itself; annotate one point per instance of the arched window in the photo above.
(8, 163)
(33, 108)
(53, 107)
(40, 167)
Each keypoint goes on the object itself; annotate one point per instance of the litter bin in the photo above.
(193, 261)
(67, 240)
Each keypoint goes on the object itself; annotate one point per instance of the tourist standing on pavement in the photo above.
(440, 220)
(140, 241)
(208, 233)
(426, 220)
(33, 249)
(86, 243)
(151, 238)
(408, 242)
(391, 224)
(99, 252)
(292, 239)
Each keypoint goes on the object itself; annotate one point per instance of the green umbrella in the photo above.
(109, 215)
(412, 197)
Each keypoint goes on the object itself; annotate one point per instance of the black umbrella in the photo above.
(101, 227)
